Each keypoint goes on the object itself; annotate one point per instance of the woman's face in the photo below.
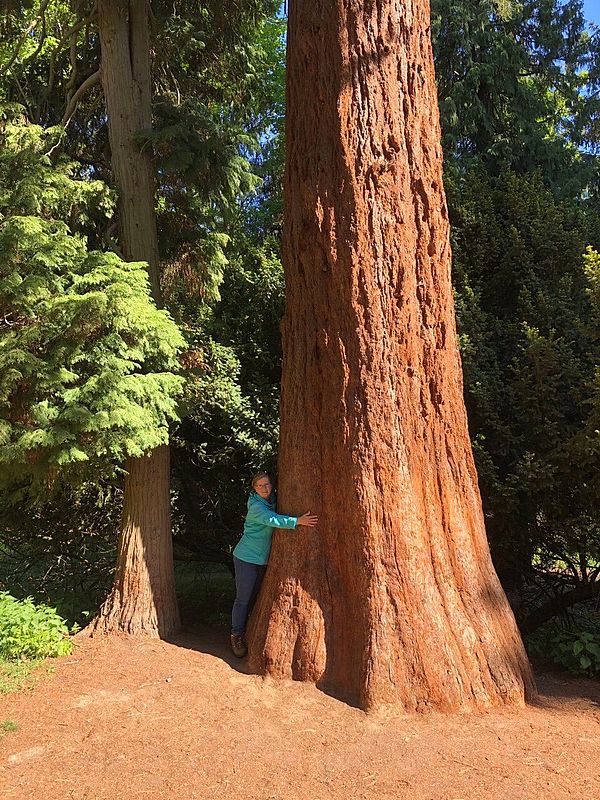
(263, 487)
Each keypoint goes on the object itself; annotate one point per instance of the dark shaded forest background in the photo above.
(518, 87)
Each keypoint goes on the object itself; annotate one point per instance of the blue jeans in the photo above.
(248, 578)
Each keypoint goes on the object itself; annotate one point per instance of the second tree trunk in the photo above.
(143, 597)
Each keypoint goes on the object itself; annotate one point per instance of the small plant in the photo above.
(577, 651)
(31, 631)
(17, 675)
(8, 726)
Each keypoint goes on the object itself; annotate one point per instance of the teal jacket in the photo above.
(255, 544)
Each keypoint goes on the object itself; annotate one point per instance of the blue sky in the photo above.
(592, 10)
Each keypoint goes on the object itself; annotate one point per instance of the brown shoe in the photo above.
(238, 644)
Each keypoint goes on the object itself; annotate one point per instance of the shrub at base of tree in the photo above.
(31, 631)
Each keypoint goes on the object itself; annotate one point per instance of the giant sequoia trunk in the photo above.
(393, 597)
(143, 596)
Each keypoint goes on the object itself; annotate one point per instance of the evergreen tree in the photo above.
(518, 88)
(530, 353)
(210, 117)
(88, 364)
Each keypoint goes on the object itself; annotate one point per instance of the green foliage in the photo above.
(8, 726)
(591, 261)
(88, 363)
(218, 83)
(223, 439)
(248, 316)
(530, 356)
(62, 550)
(31, 631)
(578, 652)
(518, 91)
(204, 173)
(517, 86)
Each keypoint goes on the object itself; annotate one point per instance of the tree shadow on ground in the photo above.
(210, 637)
(213, 642)
(205, 618)
(557, 684)
(553, 685)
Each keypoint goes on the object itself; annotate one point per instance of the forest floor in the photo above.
(125, 719)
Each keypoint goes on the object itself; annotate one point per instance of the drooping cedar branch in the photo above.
(559, 604)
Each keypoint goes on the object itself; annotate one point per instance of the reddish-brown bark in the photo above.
(393, 597)
(143, 595)
(142, 600)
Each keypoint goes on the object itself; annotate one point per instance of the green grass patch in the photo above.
(572, 642)
(8, 726)
(18, 676)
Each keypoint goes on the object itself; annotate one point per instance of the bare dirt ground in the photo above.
(148, 719)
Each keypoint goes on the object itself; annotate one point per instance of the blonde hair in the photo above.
(258, 476)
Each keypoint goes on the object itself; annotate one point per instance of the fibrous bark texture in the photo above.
(142, 600)
(126, 81)
(143, 597)
(393, 597)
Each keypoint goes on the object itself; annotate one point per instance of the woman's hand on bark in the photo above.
(308, 519)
